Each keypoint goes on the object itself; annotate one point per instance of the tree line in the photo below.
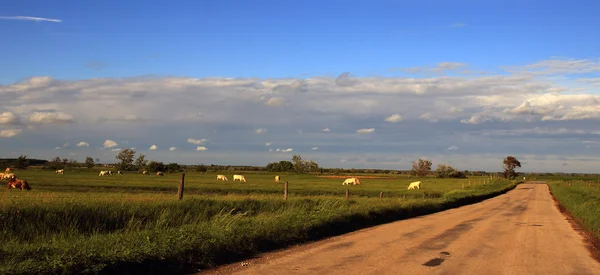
(127, 161)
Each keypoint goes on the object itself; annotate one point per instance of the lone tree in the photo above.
(125, 158)
(510, 163)
(22, 162)
(421, 167)
(89, 162)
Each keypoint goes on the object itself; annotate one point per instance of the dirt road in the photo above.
(521, 232)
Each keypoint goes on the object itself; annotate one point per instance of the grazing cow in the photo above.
(354, 181)
(103, 173)
(18, 184)
(61, 171)
(222, 177)
(145, 173)
(8, 176)
(239, 177)
(159, 173)
(109, 172)
(276, 178)
(119, 172)
(415, 184)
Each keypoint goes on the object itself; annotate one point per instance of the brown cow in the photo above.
(18, 184)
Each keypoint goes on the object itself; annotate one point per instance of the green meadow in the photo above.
(132, 223)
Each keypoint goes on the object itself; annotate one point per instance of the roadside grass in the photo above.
(54, 230)
(582, 200)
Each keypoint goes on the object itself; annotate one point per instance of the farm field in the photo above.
(82, 223)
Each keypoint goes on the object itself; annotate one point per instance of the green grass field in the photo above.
(581, 199)
(82, 223)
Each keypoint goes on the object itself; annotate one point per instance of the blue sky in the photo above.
(431, 54)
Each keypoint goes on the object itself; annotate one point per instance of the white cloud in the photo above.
(275, 101)
(260, 130)
(453, 147)
(494, 109)
(283, 150)
(172, 148)
(153, 147)
(116, 149)
(57, 148)
(394, 118)
(315, 148)
(109, 144)
(268, 144)
(365, 130)
(201, 148)
(476, 119)
(197, 141)
(8, 133)
(429, 117)
(7, 118)
(50, 118)
(30, 18)
(83, 144)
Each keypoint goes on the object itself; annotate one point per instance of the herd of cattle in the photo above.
(15, 183)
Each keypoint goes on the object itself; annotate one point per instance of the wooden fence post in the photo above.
(285, 191)
(180, 189)
(380, 195)
(347, 193)
(463, 186)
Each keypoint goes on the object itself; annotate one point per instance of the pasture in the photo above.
(82, 223)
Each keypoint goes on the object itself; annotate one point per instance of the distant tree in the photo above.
(65, 163)
(447, 171)
(125, 158)
(173, 167)
(22, 162)
(510, 163)
(140, 162)
(421, 167)
(155, 166)
(312, 167)
(201, 168)
(89, 162)
(298, 163)
(286, 166)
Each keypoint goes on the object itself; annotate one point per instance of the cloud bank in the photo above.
(381, 122)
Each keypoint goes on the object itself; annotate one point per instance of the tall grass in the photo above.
(98, 232)
(582, 200)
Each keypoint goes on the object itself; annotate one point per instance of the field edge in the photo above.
(223, 267)
(591, 241)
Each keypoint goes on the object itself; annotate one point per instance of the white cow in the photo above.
(103, 173)
(415, 184)
(145, 173)
(239, 177)
(109, 172)
(354, 181)
(159, 173)
(222, 177)
(119, 172)
(276, 178)
(61, 171)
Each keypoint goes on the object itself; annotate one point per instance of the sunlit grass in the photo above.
(73, 223)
